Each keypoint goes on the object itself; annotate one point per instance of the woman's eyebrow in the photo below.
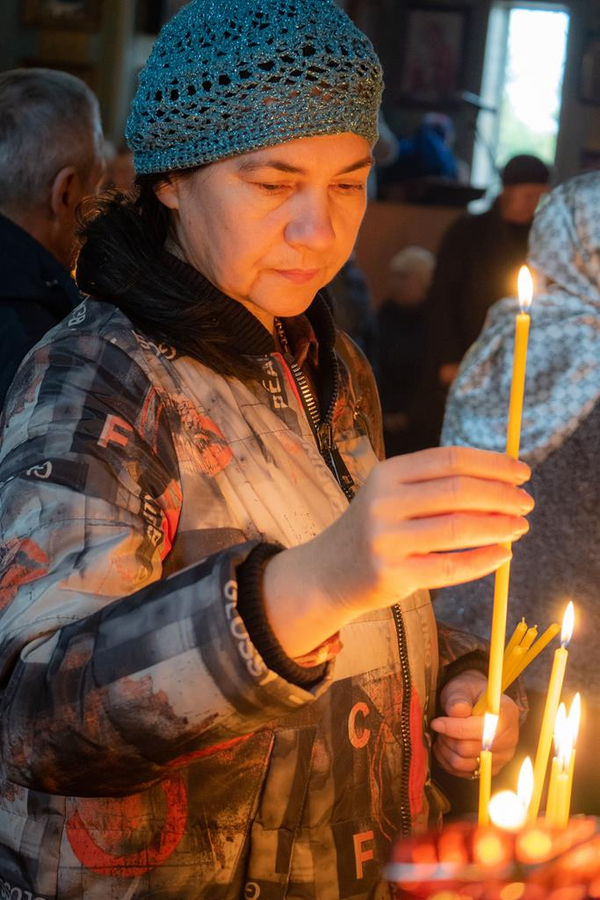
(279, 166)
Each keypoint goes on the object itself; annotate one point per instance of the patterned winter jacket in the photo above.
(147, 750)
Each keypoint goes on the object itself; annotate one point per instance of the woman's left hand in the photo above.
(458, 744)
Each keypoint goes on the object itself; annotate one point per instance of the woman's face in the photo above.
(270, 228)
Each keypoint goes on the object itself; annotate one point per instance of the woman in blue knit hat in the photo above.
(218, 674)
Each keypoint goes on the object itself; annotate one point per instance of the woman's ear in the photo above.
(168, 192)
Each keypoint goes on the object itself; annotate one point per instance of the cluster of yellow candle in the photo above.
(510, 811)
(563, 764)
(557, 676)
(508, 663)
(520, 652)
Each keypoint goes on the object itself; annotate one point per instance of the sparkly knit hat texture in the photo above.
(230, 76)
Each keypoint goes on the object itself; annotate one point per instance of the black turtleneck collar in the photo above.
(247, 334)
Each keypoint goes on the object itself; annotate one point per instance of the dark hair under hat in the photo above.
(525, 169)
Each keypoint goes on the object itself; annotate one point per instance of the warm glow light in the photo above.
(513, 891)
(567, 625)
(489, 849)
(525, 784)
(534, 846)
(507, 811)
(490, 723)
(525, 283)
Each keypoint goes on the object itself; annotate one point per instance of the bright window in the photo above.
(523, 76)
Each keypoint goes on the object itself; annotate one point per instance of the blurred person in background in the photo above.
(402, 345)
(50, 159)
(427, 154)
(477, 264)
(353, 310)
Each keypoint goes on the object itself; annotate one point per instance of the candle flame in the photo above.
(574, 717)
(490, 723)
(525, 283)
(567, 625)
(525, 784)
(507, 811)
(560, 727)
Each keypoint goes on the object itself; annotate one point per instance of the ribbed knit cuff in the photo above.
(251, 608)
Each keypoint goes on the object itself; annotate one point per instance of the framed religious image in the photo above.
(434, 54)
(589, 74)
(83, 15)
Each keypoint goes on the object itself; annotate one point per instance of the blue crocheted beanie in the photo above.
(230, 76)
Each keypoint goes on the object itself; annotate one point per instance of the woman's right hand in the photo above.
(400, 533)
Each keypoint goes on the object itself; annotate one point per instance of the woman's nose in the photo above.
(311, 224)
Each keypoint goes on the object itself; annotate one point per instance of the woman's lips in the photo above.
(298, 276)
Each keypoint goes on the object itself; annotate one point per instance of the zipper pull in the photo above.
(333, 457)
(325, 437)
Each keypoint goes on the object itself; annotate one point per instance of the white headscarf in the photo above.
(563, 361)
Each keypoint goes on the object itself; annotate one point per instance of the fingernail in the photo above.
(527, 502)
(438, 726)
(521, 528)
(523, 472)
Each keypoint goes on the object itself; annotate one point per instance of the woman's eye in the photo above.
(350, 188)
(270, 188)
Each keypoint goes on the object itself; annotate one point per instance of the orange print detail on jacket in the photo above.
(215, 453)
(103, 853)
(22, 561)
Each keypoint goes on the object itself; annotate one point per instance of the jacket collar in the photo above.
(29, 270)
(309, 335)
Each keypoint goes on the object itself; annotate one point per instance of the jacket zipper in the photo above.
(405, 814)
(322, 430)
(323, 433)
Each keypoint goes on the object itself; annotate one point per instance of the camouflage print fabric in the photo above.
(147, 751)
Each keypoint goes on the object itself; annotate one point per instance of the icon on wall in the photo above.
(434, 54)
(84, 15)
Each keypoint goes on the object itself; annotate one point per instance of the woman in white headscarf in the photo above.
(560, 439)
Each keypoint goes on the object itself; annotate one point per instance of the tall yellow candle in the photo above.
(560, 727)
(513, 436)
(550, 709)
(574, 720)
(517, 387)
(490, 723)
(551, 801)
(561, 794)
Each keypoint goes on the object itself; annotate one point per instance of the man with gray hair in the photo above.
(50, 158)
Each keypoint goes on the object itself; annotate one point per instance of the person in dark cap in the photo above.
(477, 264)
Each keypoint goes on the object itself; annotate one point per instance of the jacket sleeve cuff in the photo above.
(250, 605)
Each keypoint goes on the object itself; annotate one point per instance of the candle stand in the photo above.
(465, 861)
